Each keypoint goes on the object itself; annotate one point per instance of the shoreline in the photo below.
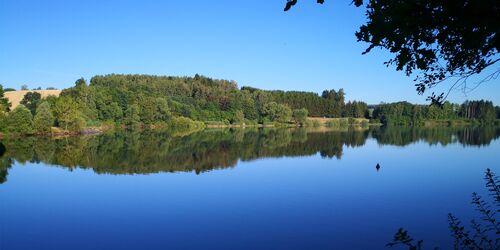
(58, 132)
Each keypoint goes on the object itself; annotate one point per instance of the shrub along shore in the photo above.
(193, 103)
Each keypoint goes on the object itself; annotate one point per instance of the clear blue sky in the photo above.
(312, 47)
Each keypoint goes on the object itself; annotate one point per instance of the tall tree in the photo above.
(67, 114)
(31, 100)
(132, 118)
(44, 119)
(277, 112)
(300, 116)
(4, 102)
(20, 120)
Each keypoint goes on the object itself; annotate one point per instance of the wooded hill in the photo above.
(144, 100)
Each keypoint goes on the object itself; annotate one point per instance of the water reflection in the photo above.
(152, 152)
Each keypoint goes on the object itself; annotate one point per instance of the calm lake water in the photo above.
(241, 189)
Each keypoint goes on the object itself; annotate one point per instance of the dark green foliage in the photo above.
(4, 102)
(404, 113)
(44, 119)
(132, 118)
(3, 121)
(300, 116)
(68, 115)
(145, 100)
(20, 121)
(440, 39)
(355, 109)
(277, 112)
(199, 98)
(329, 104)
(480, 110)
(437, 39)
(31, 100)
(239, 117)
(179, 150)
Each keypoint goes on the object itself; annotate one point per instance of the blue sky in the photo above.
(311, 48)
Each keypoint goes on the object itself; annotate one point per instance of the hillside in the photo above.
(16, 96)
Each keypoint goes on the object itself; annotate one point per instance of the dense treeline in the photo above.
(143, 100)
(185, 102)
(405, 113)
(151, 152)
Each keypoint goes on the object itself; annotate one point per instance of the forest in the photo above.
(135, 101)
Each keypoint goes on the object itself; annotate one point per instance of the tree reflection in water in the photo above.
(153, 152)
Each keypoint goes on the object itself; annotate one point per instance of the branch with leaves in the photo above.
(433, 40)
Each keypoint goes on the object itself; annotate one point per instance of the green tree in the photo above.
(20, 120)
(300, 116)
(3, 121)
(4, 102)
(132, 118)
(44, 119)
(67, 114)
(277, 112)
(239, 116)
(162, 112)
(31, 100)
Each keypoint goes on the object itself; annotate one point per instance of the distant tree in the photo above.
(300, 116)
(4, 102)
(111, 112)
(439, 39)
(9, 89)
(20, 120)
(480, 110)
(31, 100)
(50, 88)
(24, 87)
(248, 106)
(132, 118)
(3, 121)
(162, 112)
(39, 88)
(239, 116)
(67, 114)
(44, 119)
(277, 112)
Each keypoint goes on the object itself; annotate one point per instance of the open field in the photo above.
(324, 120)
(16, 96)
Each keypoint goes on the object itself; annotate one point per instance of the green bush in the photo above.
(300, 116)
(20, 121)
(44, 119)
(185, 123)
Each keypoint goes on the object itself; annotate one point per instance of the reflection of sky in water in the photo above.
(291, 202)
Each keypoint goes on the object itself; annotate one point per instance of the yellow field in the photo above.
(16, 96)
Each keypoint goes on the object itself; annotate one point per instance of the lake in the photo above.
(242, 188)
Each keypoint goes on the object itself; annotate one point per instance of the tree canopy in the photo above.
(4, 102)
(433, 40)
(30, 101)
